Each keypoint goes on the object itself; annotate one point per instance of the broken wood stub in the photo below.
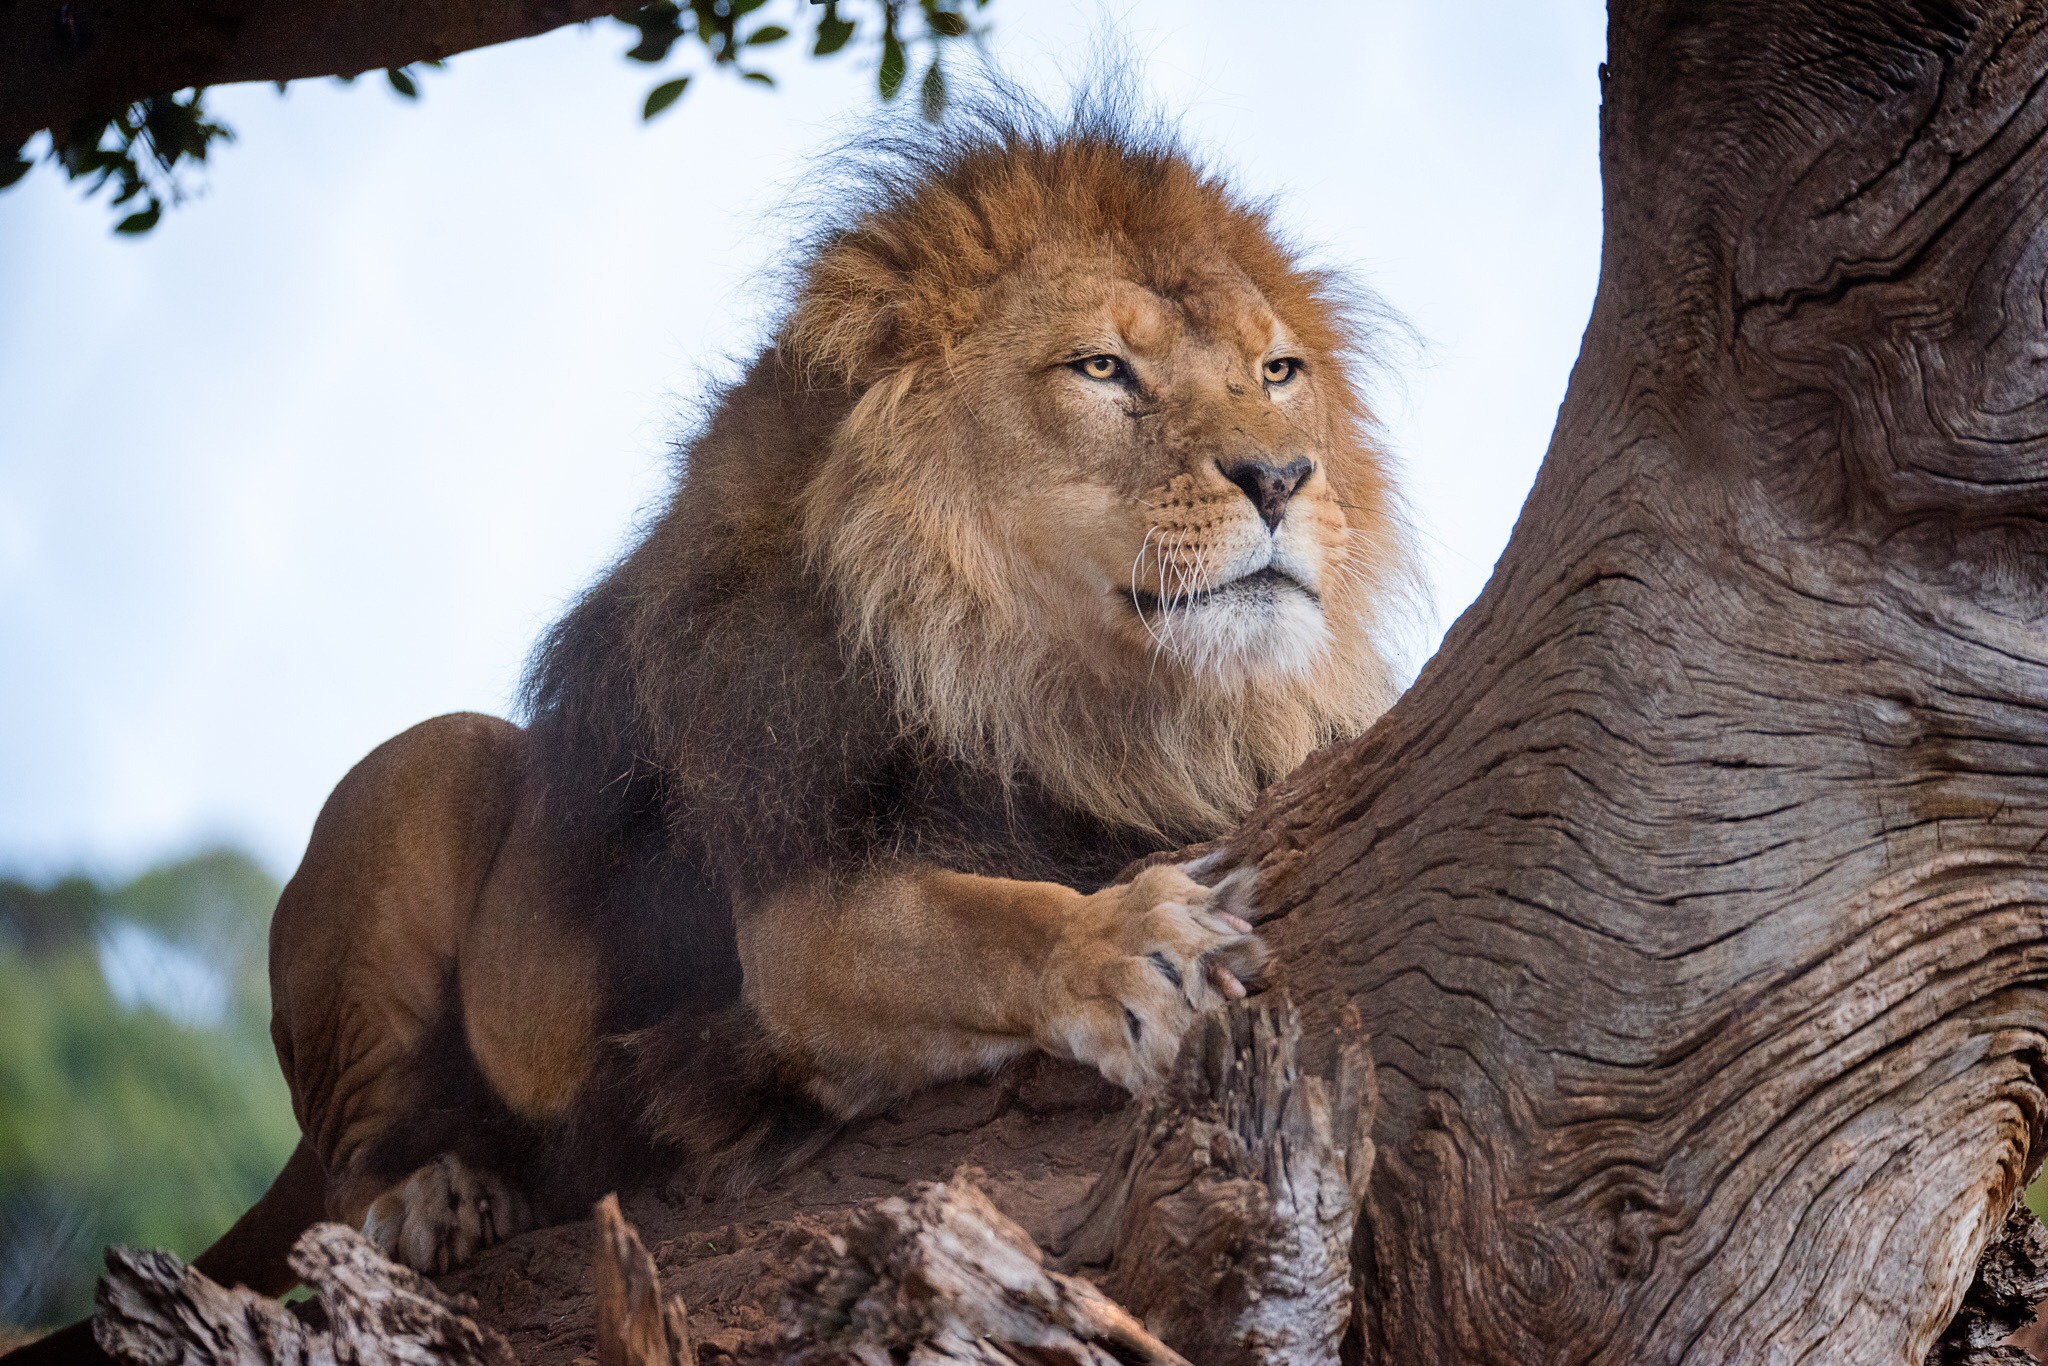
(636, 1324)
(942, 1278)
(1225, 1220)
(2011, 1282)
(154, 1310)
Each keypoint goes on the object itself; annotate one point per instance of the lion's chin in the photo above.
(1265, 626)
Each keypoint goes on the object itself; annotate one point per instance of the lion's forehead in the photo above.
(1215, 309)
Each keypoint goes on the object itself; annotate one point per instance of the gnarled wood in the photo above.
(636, 1324)
(2011, 1280)
(944, 1277)
(156, 1311)
(1695, 899)
(1225, 1220)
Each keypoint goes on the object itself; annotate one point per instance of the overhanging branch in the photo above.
(65, 61)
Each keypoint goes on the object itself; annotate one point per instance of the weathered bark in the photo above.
(636, 1324)
(2011, 1281)
(942, 1278)
(156, 1311)
(1225, 1219)
(938, 1278)
(1693, 900)
(64, 59)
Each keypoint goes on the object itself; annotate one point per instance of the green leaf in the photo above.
(947, 24)
(740, 9)
(664, 95)
(759, 78)
(832, 33)
(401, 82)
(11, 171)
(769, 33)
(660, 25)
(931, 93)
(890, 78)
(141, 222)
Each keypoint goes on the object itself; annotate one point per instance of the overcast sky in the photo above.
(320, 456)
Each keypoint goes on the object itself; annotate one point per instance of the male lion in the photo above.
(1047, 532)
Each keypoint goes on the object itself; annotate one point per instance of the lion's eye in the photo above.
(1281, 369)
(1101, 367)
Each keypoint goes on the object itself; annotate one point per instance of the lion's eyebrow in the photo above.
(1272, 339)
(1102, 344)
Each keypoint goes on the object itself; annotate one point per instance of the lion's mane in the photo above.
(816, 655)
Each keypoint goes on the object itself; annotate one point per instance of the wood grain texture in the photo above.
(1693, 899)
(2011, 1281)
(636, 1324)
(156, 1311)
(1225, 1220)
(942, 1277)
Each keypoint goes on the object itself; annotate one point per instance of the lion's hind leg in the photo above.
(365, 962)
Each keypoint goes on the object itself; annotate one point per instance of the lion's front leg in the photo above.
(878, 985)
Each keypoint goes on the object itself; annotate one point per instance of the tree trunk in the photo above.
(1692, 901)
(64, 60)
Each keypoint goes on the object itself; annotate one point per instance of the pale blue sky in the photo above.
(320, 456)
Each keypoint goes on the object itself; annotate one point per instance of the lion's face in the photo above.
(1185, 495)
(1106, 504)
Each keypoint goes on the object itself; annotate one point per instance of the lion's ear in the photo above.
(844, 325)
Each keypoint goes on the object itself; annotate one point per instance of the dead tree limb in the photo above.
(636, 1324)
(944, 1277)
(156, 1311)
(2011, 1280)
(1695, 898)
(1225, 1220)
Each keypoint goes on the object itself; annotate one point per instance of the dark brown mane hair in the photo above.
(789, 672)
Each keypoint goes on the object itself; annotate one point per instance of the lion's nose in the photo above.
(1270, 486)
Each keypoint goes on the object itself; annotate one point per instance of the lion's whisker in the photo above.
(1136, 606)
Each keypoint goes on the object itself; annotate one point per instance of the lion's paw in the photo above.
(1139, 961)
(443, 1214)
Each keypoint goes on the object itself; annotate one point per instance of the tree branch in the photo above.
(156, 1311)
(67, 59)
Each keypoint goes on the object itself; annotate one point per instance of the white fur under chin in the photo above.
(1269, 633)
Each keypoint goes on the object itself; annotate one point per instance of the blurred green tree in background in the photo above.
(140, 1101)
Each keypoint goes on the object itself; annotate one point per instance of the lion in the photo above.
(1049, 529)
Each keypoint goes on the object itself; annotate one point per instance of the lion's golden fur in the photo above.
(977, 587)
(908, 535)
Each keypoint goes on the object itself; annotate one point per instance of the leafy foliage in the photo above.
(137, 152)
(141, 151)
(717, 25)
(122, 1124)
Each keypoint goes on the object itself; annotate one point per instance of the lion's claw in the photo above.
(1139, 962)
(444, 1214)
